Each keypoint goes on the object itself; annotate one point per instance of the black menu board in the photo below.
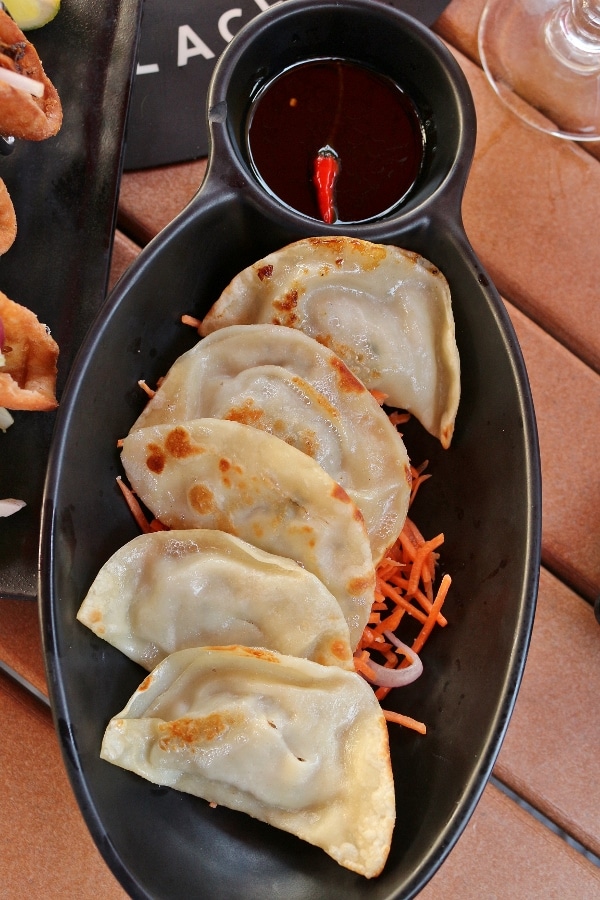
(180, 43)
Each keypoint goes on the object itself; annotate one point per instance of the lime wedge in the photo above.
(30, 14)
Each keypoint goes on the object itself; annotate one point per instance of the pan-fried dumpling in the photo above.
(386, 312)
(281, 381)
(213, 473)
(301, 746)
(170, 590)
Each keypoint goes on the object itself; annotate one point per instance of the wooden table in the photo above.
(531, 211)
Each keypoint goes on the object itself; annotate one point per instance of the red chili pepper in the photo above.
(325, 174)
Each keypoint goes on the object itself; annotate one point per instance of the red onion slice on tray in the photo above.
(383, 676)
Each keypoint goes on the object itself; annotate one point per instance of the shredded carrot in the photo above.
(364, 669)
(192, 321)
(399, 418)
(134, 506)
(379, 396)
(414, 724)
(431, 619)
(423, 563)
(404, 588)
(157, 525)
(418, 477)
(146, 388)
(136, 510)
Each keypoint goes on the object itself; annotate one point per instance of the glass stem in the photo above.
(572, 32)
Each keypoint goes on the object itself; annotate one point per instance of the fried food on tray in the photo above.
(30, 354)
(8, 220)
(22, 114)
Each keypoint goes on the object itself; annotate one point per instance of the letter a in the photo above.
(189, 44)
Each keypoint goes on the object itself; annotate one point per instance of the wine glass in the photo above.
(542, 58)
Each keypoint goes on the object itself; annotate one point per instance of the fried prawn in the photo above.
(8, 219)
(30, 355)
(23, 115)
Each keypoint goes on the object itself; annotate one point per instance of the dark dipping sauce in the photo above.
(370, 123)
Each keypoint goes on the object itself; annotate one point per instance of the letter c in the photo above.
(224, 23)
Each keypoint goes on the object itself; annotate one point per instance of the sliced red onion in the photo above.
(404, 648)
(386, 677)
(6, 420)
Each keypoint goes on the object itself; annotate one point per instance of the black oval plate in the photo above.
(484, 495)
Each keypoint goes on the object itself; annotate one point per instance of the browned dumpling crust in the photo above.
(23, 115)
(385, 311)
(213, 473)
(301, 746)
(282, 381)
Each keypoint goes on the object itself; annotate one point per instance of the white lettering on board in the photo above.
(148, 69)
(263, 5)
(224, 23)
(189, 44)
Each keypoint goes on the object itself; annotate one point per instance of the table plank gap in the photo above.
(544, 820)
(47, 850)
(510, 210)
(506, 852)
(458, 26)
(562, 386)
(548, 757)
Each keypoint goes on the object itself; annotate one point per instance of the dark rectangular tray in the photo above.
(65, 193)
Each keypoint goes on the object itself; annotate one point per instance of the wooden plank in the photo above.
(549, 755)
(530, 210)
(566, 395)
(20, 641)
(458, 25)
(123, 254)
(45, 847)
(149, 199)
(505, 852)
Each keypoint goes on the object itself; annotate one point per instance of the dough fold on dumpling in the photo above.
(213, 473)
(385, 311)
(301, 746)
(169, 590)
(284, 382)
